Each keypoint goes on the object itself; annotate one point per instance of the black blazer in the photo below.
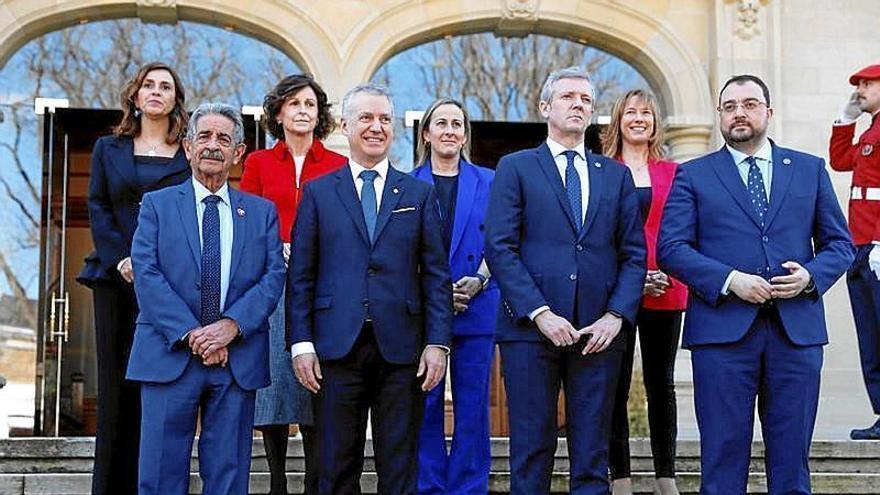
(114, 201)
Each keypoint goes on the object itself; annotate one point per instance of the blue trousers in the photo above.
(168, 426)
(465, 468)
(533, 372)
(785, 380)
(864, 296)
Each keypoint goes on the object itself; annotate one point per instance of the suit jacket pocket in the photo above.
(322, 302)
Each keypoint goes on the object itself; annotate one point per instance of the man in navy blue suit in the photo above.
(201, 344)
(756, 232)
(564, 241)
(370, 304)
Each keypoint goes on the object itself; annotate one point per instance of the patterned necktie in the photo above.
(757, 192)
(210, 261)
(368, 200)
(573, 188)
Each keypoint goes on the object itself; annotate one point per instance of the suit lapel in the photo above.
(464, 202)
(123, 162)
(186, 206)
(548, 166)
(727, 172)
(390, 196)
(781, 179)
(239, 217)
(348, 196)
(595, 172)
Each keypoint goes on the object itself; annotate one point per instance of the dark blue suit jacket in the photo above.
(537, 256)
(710, 228)
(114, 198)
(336, 278)
(166, 257)
(466, 250)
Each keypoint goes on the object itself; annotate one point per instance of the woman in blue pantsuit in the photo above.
(462, 192)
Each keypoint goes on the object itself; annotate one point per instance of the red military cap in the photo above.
(869, 72)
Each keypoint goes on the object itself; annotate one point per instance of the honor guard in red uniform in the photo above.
(863, 278)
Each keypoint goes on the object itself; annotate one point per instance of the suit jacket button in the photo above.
(579, 247)
(573, 277)
(760, 270)
(365, 302)
(371, 272)
(765, 238)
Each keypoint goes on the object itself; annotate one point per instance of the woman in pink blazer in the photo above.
(635, 138)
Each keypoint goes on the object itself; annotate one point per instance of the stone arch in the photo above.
(268, 21)
(671, 67)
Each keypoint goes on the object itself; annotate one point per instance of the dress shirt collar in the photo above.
(202, 192)
(765, 152)
(557, 149)
(356, 169)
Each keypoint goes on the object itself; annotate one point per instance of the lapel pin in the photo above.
(240, 211)
(867, 149)
(786, 161)
(597, 164)
(395, 190)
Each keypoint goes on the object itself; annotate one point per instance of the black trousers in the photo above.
(117, 441)
(275, 442)
(659, 332)
(364, 382)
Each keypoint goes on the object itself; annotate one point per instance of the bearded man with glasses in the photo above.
(755, 231)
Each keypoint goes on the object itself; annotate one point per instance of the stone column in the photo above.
(687, 141)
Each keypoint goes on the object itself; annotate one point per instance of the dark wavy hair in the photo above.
(286, 88)
(130, 125)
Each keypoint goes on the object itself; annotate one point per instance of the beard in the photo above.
(743, 133)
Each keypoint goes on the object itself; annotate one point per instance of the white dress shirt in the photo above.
(226, 230)
(580, 164)
(764, 160)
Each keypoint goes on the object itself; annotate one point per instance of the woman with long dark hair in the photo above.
(143, 154)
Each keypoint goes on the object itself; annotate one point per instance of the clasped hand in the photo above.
(210, 341)
(757, 290)
(562, 334)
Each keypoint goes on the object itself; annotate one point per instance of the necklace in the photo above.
(152, 151)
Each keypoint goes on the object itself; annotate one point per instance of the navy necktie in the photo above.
(210, 261)
(757, 192)
(368, 200)
(573, 188)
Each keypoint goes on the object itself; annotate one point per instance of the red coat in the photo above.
(863, 160)
(271, 174)
(662, 173)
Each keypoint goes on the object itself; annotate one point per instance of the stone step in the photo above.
(62, 466)
(499, 483)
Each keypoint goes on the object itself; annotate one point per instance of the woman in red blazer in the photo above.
(298, 116)
(635, 138)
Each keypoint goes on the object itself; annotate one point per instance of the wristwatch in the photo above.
(484, 281)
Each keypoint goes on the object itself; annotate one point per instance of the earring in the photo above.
(137, 112)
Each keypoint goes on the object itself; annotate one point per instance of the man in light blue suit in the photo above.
(201, 344)
(756, 232)
(564, 240)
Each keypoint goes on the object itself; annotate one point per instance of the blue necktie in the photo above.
(210, 261)
(368, 200)
(573, 188)
(757, 192)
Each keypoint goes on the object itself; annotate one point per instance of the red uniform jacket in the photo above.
(662, 173)
(863, 160)
(271, 174)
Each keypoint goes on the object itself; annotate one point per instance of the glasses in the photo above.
(749, 105)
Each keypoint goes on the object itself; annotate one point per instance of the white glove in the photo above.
(874, 260)
(852, 110)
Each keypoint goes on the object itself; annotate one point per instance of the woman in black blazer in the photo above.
(143, 154)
